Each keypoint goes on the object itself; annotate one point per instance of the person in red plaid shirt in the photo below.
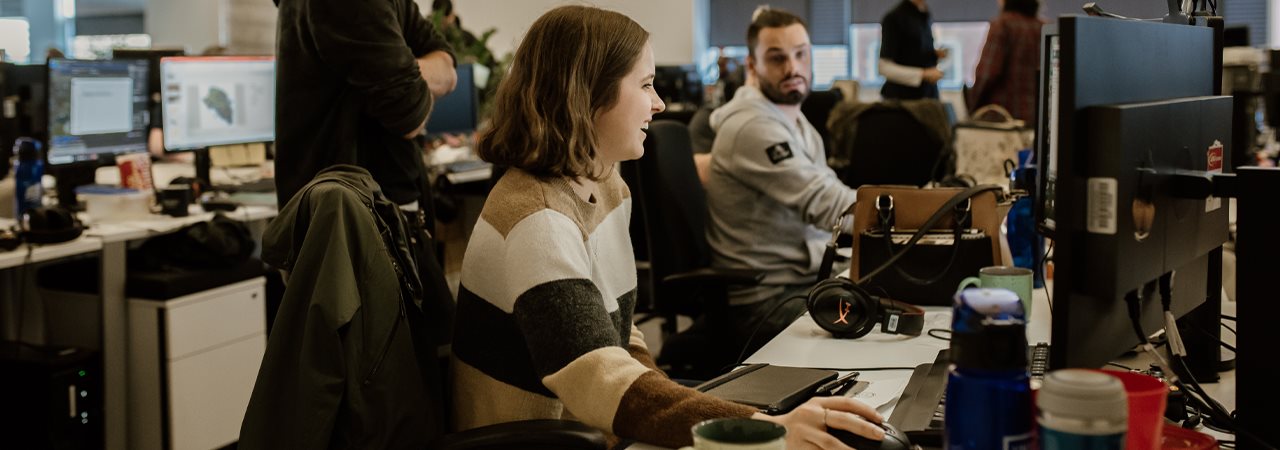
(1006, 73)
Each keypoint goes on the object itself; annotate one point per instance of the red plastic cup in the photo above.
(1148, 397)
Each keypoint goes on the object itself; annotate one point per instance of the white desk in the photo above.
(804, 344)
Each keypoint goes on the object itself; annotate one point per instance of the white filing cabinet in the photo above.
(192, 364)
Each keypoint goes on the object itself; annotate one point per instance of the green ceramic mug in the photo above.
(738, 434)
(1016, 279)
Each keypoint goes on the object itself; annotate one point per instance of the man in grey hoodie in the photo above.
(772, 198)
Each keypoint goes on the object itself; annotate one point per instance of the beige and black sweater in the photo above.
(543, 327)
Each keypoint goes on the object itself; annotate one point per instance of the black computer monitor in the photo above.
(456, 112)
(96, 108)
(22, 103)
(217, 100)
(679, 86)
(152, 56)
(1125, 105)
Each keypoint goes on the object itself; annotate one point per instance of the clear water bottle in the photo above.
(988, 404)
(28, 192)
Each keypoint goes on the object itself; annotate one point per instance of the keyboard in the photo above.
(259, 185)
(923, 402)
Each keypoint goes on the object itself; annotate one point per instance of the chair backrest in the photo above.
(892, 147)
(674, 204)
(817, 109)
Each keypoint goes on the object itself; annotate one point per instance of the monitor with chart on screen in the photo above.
(210, 101)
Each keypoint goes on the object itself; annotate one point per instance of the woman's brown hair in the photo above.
(566, 69)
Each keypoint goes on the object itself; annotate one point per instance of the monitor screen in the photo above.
(456, 112)
(96, 108)
(219, 100)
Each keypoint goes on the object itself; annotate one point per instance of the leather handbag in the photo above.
(986, 141)
(916, 245)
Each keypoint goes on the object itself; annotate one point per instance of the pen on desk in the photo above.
(835, 385)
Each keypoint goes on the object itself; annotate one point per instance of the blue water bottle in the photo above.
(1025, 245)
(28, 192)
(988, 405)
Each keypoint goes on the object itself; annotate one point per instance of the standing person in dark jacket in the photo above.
(355, 81)
(1006, 73)
(908, 60)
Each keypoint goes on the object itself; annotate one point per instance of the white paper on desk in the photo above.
(880, 393)
(803, 344)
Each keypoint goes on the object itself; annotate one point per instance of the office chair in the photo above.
(675, 214)
(887, 144)
(817, 108)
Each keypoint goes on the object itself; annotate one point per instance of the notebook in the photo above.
(771, 389)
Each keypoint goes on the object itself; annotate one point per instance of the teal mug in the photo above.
(738, 434)
(1016, 279)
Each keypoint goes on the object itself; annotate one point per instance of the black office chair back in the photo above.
(674, 206)
(892, 147)
(817, 109)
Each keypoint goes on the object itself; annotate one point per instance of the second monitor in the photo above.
(210, 101)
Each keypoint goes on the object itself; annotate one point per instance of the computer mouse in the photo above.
(893, 439)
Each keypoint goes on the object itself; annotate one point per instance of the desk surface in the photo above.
(803, 344)
(30, 254)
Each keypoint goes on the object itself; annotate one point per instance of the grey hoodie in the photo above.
(771, 196)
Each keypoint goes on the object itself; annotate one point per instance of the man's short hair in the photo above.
(444, 6)
(766, 17)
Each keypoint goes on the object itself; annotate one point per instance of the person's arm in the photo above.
(759, 153)
(900, 74)
(434, 55)
(362, 42)
(990, 66)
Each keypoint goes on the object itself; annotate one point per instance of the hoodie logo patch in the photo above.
(779, 152)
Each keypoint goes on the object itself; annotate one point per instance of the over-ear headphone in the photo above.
(848, 311)
(51, 225)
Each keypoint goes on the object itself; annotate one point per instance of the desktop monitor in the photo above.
(217, 100)
(679, 86)
(1125, 106)
(152, 56)
(456, 112)
(96, 108)
(22, 102)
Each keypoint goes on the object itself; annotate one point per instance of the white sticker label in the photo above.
(1102, 206)
(892, 326)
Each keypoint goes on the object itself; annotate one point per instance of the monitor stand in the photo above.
(203, 163)
(69, 177)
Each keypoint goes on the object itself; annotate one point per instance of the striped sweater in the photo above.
(543, 327)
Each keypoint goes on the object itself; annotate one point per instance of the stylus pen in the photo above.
(836, 385)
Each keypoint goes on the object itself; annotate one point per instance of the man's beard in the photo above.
(775, 94)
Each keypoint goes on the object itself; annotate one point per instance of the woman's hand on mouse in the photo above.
(807, 424)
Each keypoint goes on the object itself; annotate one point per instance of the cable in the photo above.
(1122, 366)
(1044, 263)
(743, 354)
(1229, 328)
(1229, 318)
(939, 330)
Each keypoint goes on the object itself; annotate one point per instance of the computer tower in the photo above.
(50, 397)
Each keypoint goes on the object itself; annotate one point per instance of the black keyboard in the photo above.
(259, 185)
(1039, 363)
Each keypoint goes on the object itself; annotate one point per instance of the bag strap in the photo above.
(949, 206)
(963, 218)
(999, 110)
